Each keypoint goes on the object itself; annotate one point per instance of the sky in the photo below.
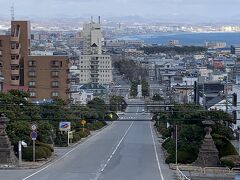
(169, 10)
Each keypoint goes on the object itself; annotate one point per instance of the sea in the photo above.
(197, 39)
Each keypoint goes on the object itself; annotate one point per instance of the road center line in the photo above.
(155, 149)
(109, 159)
(67, 153)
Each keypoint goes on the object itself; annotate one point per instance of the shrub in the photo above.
(61, 140)
(224, 146)
(84, 134)
(170, 159)
(230, 161)
(227, 162)
(76, 136)
(45, 145)
(47, 151)
(185, 157)
(169, 145)
(96, 125)
(40, 152)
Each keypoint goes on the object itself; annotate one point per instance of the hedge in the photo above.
(224, 146)
(231, 161)
(40, 153)
(45, 145)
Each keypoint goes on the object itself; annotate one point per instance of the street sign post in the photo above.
(65, 127)
(34, 137)
(83, 122)
(33, 127)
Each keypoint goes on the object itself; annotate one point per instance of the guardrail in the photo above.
(216, 170)
(199, 171)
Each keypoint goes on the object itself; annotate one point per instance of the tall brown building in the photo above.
(43, 76)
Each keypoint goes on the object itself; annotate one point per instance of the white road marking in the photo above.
(109, 159)
(67, 153)
(155, 149)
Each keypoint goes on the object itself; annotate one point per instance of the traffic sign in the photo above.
(34, 127)
(65, 126)
(83, 122)
(33, 135)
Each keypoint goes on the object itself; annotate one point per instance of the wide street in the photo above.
(126, 150)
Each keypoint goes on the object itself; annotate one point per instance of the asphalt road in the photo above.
(126, 150)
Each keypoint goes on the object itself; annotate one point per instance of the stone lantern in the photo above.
(6, 149)
(208, 153)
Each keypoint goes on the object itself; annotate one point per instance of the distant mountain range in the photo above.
(128, 20)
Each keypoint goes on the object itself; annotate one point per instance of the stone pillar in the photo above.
(6, 150)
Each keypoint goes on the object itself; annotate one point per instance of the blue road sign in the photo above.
(33, 135)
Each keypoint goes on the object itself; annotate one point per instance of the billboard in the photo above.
(65, 126)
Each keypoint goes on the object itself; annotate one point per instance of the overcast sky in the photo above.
(188, 10)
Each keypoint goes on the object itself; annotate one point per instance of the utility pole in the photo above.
(227, 95)
(176, 146)
(186, 96)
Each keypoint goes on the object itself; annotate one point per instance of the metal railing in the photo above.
(180, 175)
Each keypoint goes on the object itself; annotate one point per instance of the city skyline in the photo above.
(192, 11)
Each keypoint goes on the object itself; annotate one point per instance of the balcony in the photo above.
(94, 67)
(15, 71)
(15, 82)
(94, 79)
(15, 38)
(15, 61)
(16, 50)
(94, 72)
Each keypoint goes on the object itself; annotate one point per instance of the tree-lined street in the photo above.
(125, 150)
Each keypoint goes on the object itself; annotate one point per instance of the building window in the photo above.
(32, 73)
(55, 94)
(31, 83)
(32, 63)
(32, 94)
(56, 63)
(0, 43)
(54, 83)
(0, 53)
(55, 73)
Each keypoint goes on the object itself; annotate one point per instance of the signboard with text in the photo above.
(65, 126)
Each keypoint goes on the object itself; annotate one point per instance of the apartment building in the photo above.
(94, 67)
(44, 77)
(47, 76)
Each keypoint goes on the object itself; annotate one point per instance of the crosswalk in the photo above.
(127, 117)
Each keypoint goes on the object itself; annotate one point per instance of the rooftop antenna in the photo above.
(12, 12)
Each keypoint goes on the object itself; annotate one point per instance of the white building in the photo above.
(92, 38)
(94, 67)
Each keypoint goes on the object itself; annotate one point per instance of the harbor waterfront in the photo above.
(187, 38)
